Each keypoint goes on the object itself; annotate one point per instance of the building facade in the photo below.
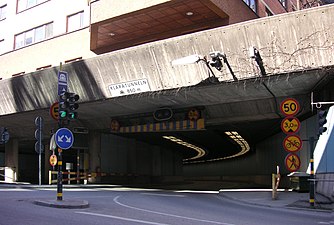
(39, 34)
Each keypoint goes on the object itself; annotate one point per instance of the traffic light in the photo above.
(63, 105)
(67, 106)
(39, 122)
(73, 106)
(321, 115)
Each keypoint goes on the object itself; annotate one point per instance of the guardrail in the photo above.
(77, 176)
(72, 176)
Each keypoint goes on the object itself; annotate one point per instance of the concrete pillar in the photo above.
(11, 160)
(94, 153)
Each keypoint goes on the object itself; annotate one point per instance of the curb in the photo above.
(65, 204)
(288, 206)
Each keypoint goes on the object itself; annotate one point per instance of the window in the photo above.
(75, 21)
(34, 35)
(3, 12)
(26, 4)
(268, 12)
(251, 4)
(283, 2)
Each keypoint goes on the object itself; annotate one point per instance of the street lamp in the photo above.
(255, 54)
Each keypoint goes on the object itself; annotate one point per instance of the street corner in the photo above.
(67, 204)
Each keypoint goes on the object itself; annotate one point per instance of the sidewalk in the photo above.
(285, 198)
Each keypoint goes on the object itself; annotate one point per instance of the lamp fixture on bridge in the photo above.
(216, 62)
(255, 54)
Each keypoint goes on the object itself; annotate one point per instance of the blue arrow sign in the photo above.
(64, 138)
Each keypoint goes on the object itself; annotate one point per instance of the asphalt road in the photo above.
(120, 206)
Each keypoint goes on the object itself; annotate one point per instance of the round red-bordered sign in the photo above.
(54, 111)
(290, 125)
(292, 143)
(292, 162)
(290, 107)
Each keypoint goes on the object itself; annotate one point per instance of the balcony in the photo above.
(129, 23)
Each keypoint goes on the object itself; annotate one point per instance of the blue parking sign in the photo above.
(62, 82)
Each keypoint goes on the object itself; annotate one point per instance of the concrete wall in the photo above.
(133, 161)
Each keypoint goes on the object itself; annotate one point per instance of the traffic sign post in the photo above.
(64, 140)
(39, 145)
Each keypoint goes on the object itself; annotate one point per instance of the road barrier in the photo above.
(84, 176)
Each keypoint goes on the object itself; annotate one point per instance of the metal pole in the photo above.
(60, 176)
(312, 181)
(40, 168)
(78, 166)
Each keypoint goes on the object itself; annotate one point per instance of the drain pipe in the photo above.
(275, 98)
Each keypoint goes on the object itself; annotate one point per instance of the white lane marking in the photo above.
(121, 218)
(15, 189)
(167, 214)
(164, 195)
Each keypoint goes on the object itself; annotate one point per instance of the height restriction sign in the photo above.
(290, 125)
(290, 107)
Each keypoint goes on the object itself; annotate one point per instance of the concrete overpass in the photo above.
(297, 53)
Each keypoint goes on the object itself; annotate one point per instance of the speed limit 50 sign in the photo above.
(290, 107)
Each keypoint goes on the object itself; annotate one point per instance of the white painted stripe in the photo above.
(121, 218)
(167, 214)
(14, 189)
(164, 195)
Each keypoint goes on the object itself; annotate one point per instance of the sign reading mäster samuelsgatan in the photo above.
(129, 88)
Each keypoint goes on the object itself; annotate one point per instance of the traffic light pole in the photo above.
(312, 178)
(60, 176)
